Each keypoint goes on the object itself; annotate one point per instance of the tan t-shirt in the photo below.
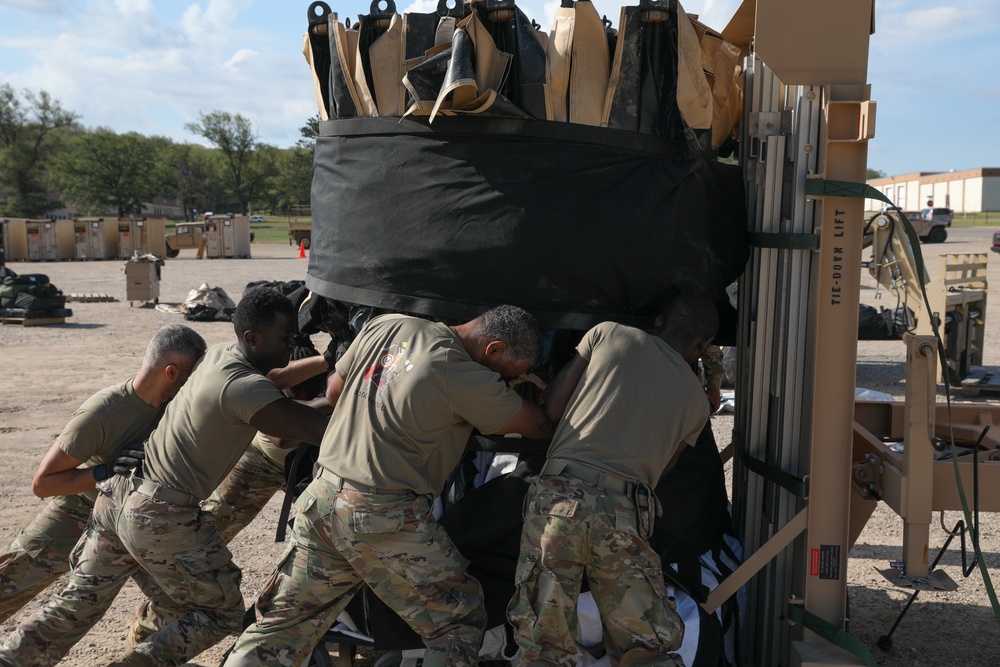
(110, 419)
(412, 396)
(636, 401)
(206, 427)
(269, 450)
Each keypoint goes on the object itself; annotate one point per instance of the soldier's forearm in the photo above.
(65, 483)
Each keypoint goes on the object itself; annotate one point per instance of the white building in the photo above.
(968, 191)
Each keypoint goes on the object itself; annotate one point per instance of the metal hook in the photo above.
(458, 9)
(320, 17)
(376, 13)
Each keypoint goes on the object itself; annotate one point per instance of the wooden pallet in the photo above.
(90, 298)
(31, 321)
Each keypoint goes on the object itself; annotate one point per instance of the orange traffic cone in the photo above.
(302, 249)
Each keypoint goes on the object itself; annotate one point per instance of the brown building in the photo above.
(967, 191)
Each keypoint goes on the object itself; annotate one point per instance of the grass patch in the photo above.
(987, 219)
(275, 230)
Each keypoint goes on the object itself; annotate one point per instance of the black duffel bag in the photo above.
(40, 297)
(14, 285)
(26, 279)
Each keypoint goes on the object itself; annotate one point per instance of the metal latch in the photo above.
(866, 476)
(770, 123)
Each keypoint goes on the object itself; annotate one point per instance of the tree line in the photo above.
(49, 160)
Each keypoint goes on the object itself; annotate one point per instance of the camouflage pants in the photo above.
(238, 500)
(572, 528)
(177, 558)
(241, 496)
(41, 552)
(392, 543)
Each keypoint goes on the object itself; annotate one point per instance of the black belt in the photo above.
(343, 484)
(603, 480)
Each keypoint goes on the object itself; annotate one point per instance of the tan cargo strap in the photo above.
(163, 493)
(602, 480)
(343, 484)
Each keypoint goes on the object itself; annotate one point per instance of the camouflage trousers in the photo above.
(572, 528)
(175, 555)
(241, 496)
(40, 554)
(342, 539)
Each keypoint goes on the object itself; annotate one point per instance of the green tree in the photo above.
(873, 173)
(108, 171)
(309, 132)
(293, 183)
(248, 163)
(188, 174)
(29, 128)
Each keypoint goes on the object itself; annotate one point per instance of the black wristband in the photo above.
(101, 472)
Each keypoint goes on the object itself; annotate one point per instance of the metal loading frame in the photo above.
(913, 482)
(807, 115)
(797, 351)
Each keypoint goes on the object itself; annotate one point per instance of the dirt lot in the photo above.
(48, 371)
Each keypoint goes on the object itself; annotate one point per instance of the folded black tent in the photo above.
(576, 224)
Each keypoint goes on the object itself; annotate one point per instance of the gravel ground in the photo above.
(48, 371)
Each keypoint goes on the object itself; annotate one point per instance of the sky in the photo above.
(150, 66)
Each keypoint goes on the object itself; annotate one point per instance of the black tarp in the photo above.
(576, 224)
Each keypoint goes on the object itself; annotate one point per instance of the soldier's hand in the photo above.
(331, 353)
(129, 458)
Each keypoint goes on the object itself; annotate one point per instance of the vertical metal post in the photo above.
(918, 455)
(835, 294)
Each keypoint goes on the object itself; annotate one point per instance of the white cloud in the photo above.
(141, 7)
(418, 7)
(239, 57)
(117, 63)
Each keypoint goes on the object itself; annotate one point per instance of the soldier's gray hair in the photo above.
(517, 328)
(171, 341)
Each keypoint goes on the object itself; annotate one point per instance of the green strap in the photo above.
(831, 633)
(785, 241)
(774, 474)
(823, 187)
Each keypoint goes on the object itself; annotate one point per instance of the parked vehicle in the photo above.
(996, 241)
(300, 232)
(939, 214)
(186, 235)
(930, 228)
(257, 218)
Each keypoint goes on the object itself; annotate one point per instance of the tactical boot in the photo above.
(136, 632)
(133, 659)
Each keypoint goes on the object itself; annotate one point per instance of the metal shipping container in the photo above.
(141, 236)
(50, 240)
(95, 239)
(227, 236)
(15, 239)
